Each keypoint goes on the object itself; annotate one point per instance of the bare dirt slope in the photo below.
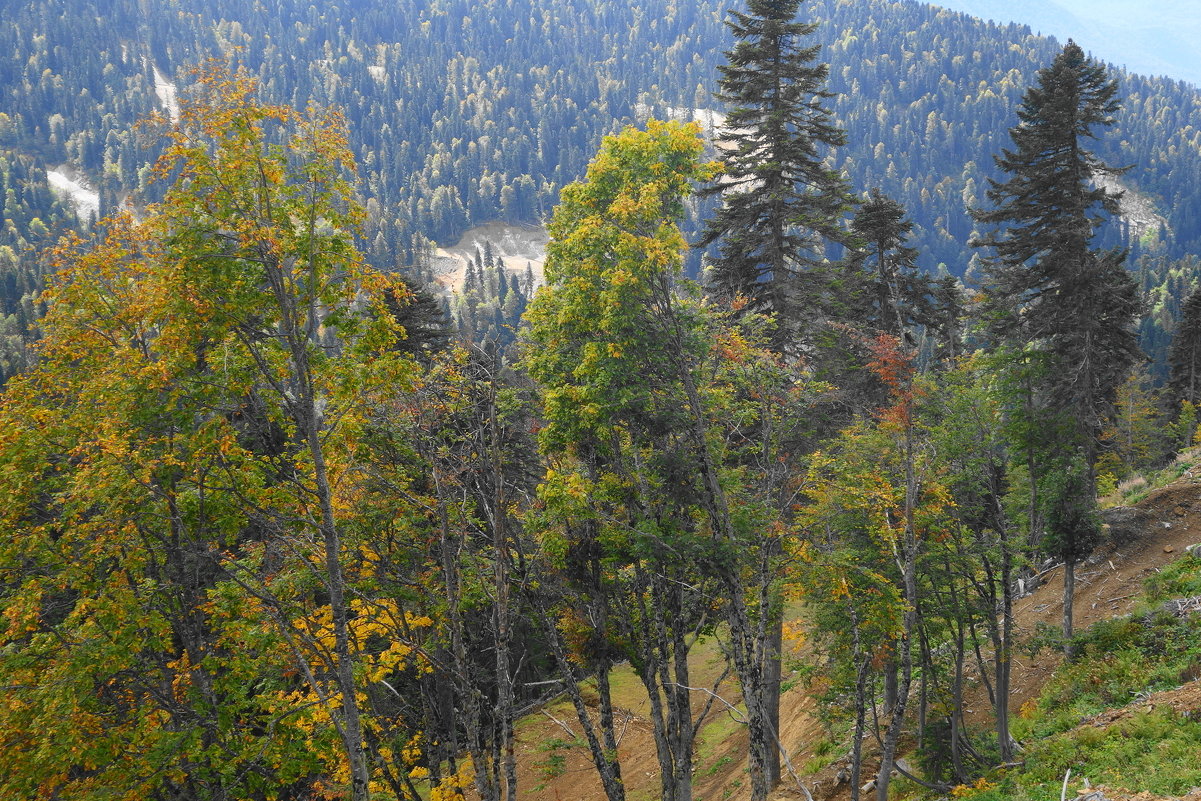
(1155, 532)
(517, 245)
(1162, 525)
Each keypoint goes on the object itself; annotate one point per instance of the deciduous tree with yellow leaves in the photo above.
(188, 601)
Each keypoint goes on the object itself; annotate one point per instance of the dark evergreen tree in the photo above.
(1073, 527)
(425, 320)
(782, 208)
(502, 281)
(527, 286)
(1052, 295)
(1184, 359)
(897, 296)
(946, 329)
(471, 278)
(782, 203)
(880, 292)
(488, 261)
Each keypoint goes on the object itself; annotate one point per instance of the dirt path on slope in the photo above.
(1107, 585)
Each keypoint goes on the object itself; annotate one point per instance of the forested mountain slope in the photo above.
(467, 112)
(1153, 37)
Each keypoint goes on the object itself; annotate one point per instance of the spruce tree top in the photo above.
(1048, 210)
(782, 203)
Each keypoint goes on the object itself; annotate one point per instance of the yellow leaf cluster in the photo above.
(449, 789)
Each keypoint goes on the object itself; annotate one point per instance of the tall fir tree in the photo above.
(1184, 358)
(896, 297)
(1052, 297)
(782, 208)
(782, 203)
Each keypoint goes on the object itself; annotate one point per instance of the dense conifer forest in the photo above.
(853, 359)
(463, 113)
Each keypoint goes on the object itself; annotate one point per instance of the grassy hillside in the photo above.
(1125, 717)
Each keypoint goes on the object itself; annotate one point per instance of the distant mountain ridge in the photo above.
(1150, 37)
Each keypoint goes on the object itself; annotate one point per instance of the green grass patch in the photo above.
(713, 751)
(553, 762)
(1119, 661)
(1132, 490)
(824, 753)
(1180, 579)
(1155, 751)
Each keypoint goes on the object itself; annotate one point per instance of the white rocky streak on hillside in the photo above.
(1137, 210)
(82, 198)
(166, 94)
(708, 119)
(516, 245)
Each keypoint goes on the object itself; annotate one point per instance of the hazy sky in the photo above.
(1153, 37)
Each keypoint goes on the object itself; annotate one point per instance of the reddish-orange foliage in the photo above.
(892, 362)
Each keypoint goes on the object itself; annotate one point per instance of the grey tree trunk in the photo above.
(469, 696)
(772, 682)
(352, 726)
(306, 414)
(502, 614)
(907, 562)
(608, 767)
(1069, 591)
(896, 720)
(749, 636)
(602, 746)
(1004, 647)
(861, 675)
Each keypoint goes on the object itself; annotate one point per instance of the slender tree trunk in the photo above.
(604, 757)
(1035, 532)
(685, 731)
(655, 679)
(436, 743)
(896, 720)
(1003, 649)
(923, 703)
(605, 705)
(1069, 590)
(500, 581)
(772, 682)
(356, 753)
(907, 562)
(666, 678)
(298, 324)
(469, 696)
(749, 638)
(957, 706)
(891, 669)
(861, 674)
(652, 658)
